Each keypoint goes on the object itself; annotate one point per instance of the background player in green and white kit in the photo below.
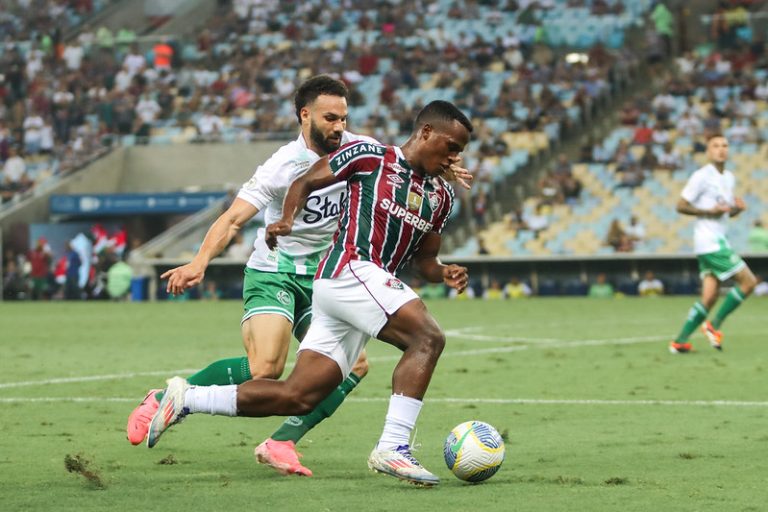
(709, 196)
(277, 289)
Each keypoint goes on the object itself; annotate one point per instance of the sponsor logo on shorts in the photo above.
(394, 283)
(284, 297)
(734, 258)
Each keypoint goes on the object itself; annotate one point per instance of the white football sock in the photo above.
(212, 400)
(401, 418)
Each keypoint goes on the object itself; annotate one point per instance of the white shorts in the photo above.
(351, 308)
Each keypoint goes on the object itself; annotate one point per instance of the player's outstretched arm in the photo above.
(318, 176)
(221, 232)
(430, 267)
(687, 208)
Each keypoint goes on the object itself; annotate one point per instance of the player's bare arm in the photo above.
(687, 208)
(221, 232)
(430, 267)
(318, 176)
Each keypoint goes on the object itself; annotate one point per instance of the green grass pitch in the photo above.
(598, 415)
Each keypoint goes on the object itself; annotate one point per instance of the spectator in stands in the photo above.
(209, 126)
(479, 207)
(617, 237)
(539, 220)
(72, 283)
(14, 285)
(758, 238)
(482, 250)
(650, 286)
(210, 291)
(601, 288)
(690, 124)
(635, 231)
(669, 159)
(648, 161)
(40, 259)
(163, 55)
(643, 135)
(147, 111)
(516, 289)
(14, 176)
(571, 187)
(494, 290)
(630, 176)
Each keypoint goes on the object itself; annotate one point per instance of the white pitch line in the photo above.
(90, 378)
(496, 401)
(539, 343)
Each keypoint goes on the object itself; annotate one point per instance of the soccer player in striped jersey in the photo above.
(397, 207)
(709, 196)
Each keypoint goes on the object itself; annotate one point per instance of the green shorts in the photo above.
(722, 264)
(278, 293)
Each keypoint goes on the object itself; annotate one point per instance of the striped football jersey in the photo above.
(388, 211)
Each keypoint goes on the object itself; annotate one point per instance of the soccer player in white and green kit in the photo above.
(277, 288)
(709, 196)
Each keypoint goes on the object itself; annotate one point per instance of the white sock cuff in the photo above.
(212, 400)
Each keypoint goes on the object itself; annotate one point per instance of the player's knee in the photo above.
(748, 284)
(265, 368)
(434, 340)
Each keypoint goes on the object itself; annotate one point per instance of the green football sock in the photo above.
(696, 315)
(295, 427)
(225, 371)
(733, 300)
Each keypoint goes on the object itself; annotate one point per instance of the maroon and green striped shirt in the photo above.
(388, 211)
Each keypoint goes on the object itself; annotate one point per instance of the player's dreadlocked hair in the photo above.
(316, 86)
(442, 111)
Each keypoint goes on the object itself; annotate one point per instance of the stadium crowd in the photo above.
(233, 80)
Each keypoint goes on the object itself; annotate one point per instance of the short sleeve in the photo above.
(445, 209)
(692, 189)
(263, 187)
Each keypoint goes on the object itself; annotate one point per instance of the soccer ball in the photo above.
(474, 451)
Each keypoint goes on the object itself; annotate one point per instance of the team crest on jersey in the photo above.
(283, 297)
(434, 200)
(414, 201)
(395, 180)
(394, 283)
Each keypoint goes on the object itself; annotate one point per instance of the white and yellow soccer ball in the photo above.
(474, 451)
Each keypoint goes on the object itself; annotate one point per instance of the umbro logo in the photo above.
(395, 180)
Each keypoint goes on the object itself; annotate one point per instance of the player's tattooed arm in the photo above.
(687, 208)
(318, 176)
(430, 267)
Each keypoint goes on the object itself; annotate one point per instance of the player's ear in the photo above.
(426, 131)
(305, 114)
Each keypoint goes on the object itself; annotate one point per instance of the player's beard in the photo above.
(321, 141)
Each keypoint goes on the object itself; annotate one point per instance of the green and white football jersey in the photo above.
(313, 229)
(706, 188)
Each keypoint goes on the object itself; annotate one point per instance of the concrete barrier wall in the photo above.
(182, 166)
